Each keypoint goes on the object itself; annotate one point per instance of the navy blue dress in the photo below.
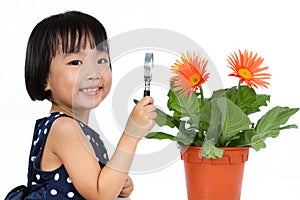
(56, 184)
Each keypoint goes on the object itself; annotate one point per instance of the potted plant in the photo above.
(216, 132)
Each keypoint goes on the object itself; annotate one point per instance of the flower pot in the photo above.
(214, 179)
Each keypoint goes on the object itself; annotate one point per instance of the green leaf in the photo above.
(268, 126)
(262, 99)
(135, 101)
(210, 151)
(164, 119)
(173, 101)
(243, 139)
(259, 145)
(159, 135)
(230, 93)
(233, 119)
(257, 141)
(205, 112)
(186, 137)
(274, 118)
(183, 106)
(227, 121)
(214, 129)
(247, 99)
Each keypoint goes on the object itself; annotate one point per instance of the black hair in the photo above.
(68, 31)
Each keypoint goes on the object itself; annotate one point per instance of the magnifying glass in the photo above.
(148, 65)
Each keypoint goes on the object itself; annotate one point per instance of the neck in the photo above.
(82, 115)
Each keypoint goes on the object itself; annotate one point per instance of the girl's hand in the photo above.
(127, 188)
(142, 118)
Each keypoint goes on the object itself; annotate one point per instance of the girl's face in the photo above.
(79, 81)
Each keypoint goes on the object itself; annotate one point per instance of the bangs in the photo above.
(73, 33)
(72, 40)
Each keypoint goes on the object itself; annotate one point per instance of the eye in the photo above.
(102, 61)
(75, 62)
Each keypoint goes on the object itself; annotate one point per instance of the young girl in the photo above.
(67, 63)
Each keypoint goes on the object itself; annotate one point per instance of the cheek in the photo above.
(107, 82)
(108, 79)
(63, 86)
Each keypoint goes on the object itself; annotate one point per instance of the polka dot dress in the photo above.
(56, 184)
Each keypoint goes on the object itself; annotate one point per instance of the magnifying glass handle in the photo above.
(147, 88)
(146, 93)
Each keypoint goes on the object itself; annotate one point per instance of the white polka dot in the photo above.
(37, 176)
(70, 194)
(56, 177)
(36, 141)
(97, 144)
(105, 156)
(69, 180)
(53, 192)
(81, 124)
(88, 137)
(47, 122)
(45, 131)
(33, 158)
(33, 183)
(39, 131)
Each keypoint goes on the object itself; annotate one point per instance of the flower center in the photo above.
(245, 73)
(195, 79)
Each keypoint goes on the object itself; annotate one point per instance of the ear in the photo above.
(47, 86)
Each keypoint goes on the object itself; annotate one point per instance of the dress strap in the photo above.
(40, 135)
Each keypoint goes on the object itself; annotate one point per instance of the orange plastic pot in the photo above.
(214, 179)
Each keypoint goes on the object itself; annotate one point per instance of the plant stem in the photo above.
(238, 92)
(202, 96)
(239, 85)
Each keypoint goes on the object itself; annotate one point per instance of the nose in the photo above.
(96, 72)
(93, 71)
(93, 76)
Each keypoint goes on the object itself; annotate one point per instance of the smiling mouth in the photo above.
(90, 90)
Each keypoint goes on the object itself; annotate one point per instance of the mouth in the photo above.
(91, 90)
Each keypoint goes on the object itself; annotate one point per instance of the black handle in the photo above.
(146, 93)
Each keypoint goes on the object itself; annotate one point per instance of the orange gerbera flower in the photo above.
(246, 67)
(190, 74)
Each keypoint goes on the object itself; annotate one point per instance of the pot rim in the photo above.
(224, 148)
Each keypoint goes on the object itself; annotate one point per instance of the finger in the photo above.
(127, 188)
(152, 111)
(151, 108)
(152, 115)
(127, 183)
(126, 191)
(146, 101)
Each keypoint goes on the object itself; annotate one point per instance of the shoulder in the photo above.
(64, 121)
(67, 140)
(64, 126)
(64, 132)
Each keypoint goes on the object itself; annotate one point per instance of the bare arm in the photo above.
(89, 179)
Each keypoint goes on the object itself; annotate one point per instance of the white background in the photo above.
(270, 28)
